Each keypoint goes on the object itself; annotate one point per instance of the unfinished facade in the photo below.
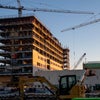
(26, 44)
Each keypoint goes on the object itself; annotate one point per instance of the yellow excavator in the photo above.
(39, 88)
(68, 89)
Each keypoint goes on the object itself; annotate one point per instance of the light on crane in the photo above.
(20, 8)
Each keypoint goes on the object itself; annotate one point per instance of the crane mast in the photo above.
(19, 8)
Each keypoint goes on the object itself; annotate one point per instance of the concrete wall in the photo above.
(53, 76)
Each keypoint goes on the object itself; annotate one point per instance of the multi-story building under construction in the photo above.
(27, 45)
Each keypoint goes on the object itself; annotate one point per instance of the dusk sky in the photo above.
(82, 40)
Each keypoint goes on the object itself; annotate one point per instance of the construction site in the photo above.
(35, 66)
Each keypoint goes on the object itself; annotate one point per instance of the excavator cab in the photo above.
(66, 83)
(70, 88)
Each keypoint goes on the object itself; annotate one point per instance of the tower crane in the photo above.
(81, 25)
(20, 8)
(79, 60)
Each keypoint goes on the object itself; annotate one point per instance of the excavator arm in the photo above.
(29, 91)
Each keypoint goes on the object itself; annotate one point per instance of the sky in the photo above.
(82, 40)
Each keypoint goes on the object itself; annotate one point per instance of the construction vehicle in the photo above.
(39, 88)
(69, 85)
(26, 91)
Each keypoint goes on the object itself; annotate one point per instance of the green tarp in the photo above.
(92, 65)
(86, 99)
